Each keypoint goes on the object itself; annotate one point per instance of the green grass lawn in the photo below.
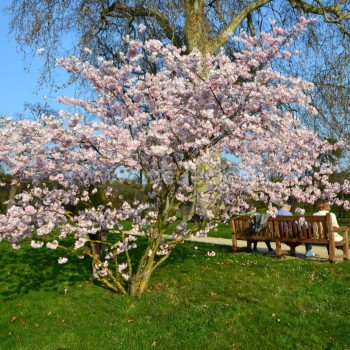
(230, 301)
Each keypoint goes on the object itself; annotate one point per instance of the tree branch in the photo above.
(337, 15)
(123, 11)
(251, 25)
(222, 37)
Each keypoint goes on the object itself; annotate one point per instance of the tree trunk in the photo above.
(140, 280)
(196, 26)
(12, 195)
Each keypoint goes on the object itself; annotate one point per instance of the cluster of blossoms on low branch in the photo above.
(171, 125)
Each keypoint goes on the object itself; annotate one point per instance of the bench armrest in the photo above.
(343, 230)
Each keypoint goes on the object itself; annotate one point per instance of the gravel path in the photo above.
(300, 250)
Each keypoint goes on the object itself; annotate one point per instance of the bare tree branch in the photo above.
(123, 11)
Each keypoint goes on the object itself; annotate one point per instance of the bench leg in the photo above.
(292, 249)
(331, 249)
(249, 246)
(278, 247)
(234, 242)
(346, 249)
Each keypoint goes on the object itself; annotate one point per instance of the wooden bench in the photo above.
(292, 231)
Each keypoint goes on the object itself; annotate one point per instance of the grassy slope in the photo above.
(230, 301)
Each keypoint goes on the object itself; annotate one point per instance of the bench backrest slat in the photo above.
(241, 225)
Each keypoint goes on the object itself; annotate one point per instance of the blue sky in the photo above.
(18, 84)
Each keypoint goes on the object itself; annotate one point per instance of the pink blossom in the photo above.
(142, 28)
(52, 245)
(300, 211)
(79, 243)
(125, 276)
(62, 260)
(35, 244)
(122, 267)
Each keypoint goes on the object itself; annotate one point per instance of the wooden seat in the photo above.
(293, 231)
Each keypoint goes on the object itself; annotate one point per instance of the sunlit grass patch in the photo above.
(226, 301)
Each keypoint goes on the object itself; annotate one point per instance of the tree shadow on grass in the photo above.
(27, 269)
(195, 250)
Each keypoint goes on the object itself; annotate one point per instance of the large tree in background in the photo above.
(204, 24)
